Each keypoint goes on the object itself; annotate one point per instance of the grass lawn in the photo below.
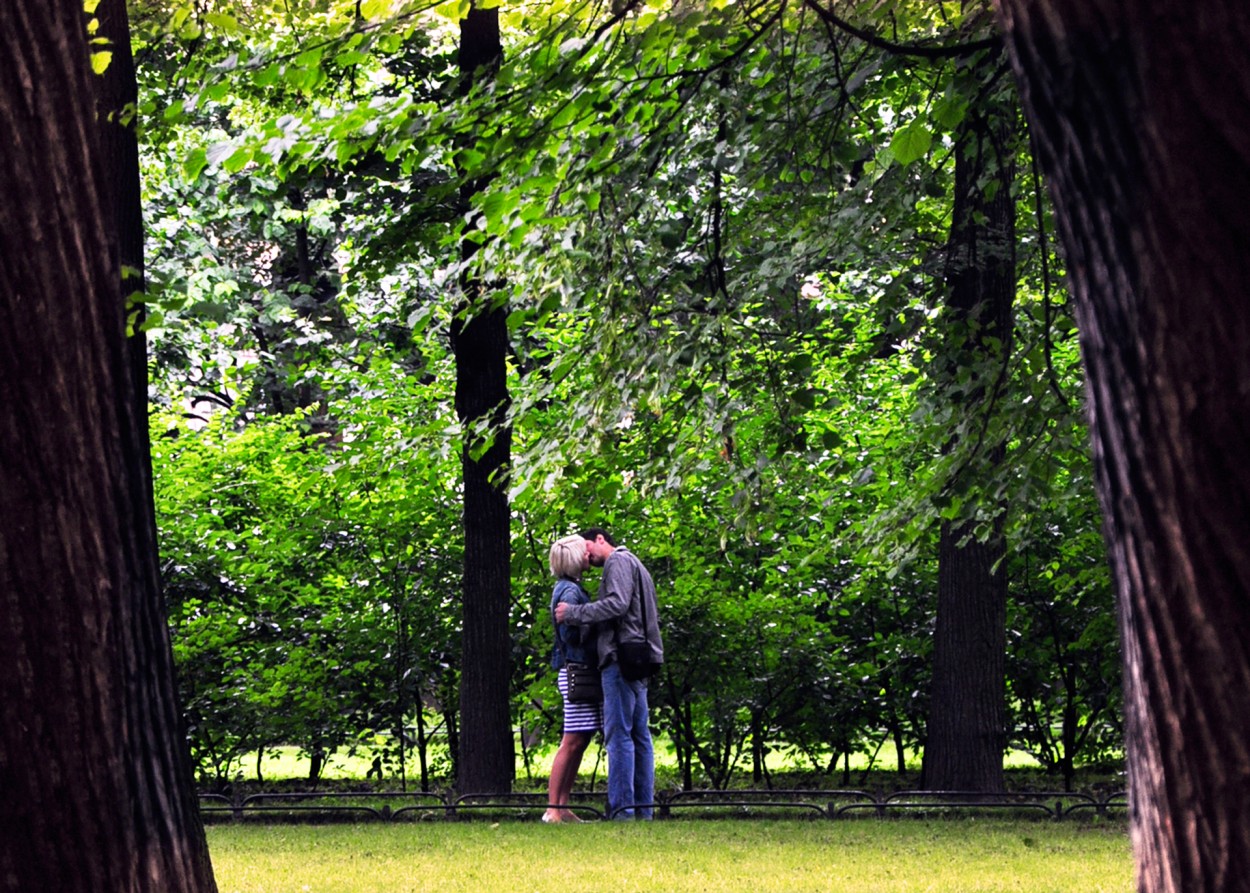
(675, 856)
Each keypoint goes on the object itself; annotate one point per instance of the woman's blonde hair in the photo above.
(566, 556)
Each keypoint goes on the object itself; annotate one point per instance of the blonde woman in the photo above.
(568, 559)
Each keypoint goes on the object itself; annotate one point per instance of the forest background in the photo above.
(768, 289)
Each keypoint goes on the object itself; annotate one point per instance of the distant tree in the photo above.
(967, 732)
(93, 762)
(480, 340)
(1139, 115)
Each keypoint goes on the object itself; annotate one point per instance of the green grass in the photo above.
(857, 856)
(288, 763)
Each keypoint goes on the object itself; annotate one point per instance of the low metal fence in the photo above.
(751, 803)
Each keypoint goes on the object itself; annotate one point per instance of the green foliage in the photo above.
(719, 233)
(312, 577)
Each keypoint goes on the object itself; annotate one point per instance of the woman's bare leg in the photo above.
(564, 768)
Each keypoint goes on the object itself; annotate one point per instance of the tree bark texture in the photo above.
(96, 780)
(480, 340)
(1139, 116)
(966, 732)
(117, 97)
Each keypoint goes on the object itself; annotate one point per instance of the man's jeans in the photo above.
(631, 760)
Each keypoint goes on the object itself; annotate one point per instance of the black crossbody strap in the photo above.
(642, 598)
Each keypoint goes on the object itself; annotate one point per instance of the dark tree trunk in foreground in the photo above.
(966, 731)
(117, 95)
(96, 783)
(1140, 115)
(480, 341)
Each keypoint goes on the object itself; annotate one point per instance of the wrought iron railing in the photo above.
(752, 803)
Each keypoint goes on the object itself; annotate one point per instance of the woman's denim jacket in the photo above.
(573, 642)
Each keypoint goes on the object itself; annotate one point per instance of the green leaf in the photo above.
(497, 204)
(805, 397)
(309, 58)
(218, 91)
(268, 75)
(224, 23)
(950, 110)
(468, 160)
(237, 160)
(911, 143)
(194, 164)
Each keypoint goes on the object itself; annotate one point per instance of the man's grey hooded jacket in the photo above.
(617, 611)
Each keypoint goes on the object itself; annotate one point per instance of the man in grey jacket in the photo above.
(625, 611)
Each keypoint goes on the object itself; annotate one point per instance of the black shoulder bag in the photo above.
(584, 683)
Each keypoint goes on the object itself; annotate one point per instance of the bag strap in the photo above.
(642, 596)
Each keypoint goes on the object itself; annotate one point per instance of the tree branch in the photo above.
(921, 51)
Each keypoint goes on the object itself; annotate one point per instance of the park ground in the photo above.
(868, 855)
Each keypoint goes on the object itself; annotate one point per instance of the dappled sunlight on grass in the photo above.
(291, 763)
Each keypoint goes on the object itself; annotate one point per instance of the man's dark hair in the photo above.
(592, 533)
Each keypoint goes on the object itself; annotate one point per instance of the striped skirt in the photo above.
(578, 717)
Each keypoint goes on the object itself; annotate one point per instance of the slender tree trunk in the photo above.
(480, 341)
(757, 748)
(1139, 114)
(423, 747)
(94, 770)
(966, 733)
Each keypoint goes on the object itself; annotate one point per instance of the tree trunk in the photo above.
(1139, 115)
(93, 764)
(116, 98)
(966, 732)
(480, 341)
